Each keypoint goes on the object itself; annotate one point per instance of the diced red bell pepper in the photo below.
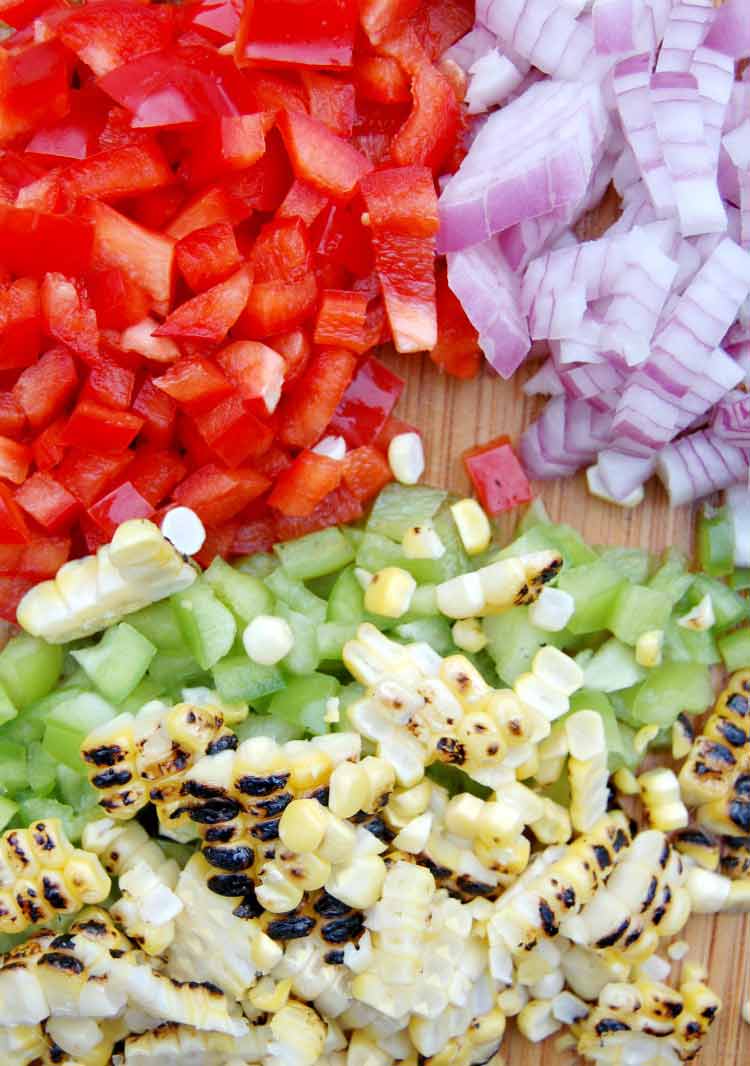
(139, 340)
(146, 258)
(67, 315)
(207, 256)
(273, 462)
(194, 383)
(341, 320)
(178, 85)
(230, 143)
(366, 472)
(197, 452)
(295, 349)
(284, 289)
(306, 411)
(343, 240)
(273, 91)
(13, 527)
(206, 209)
(382, 79)
(330, 101)
(159, 413)
(256, 535)
(219, 17)
(13, 588)
(156, 209)
(15, 460)
(263, 186)
(367, 403)
(34, 88)
(378, 16)
(497, 475)
(99, 428)
(457, 350)
(320, 157)
(209, 316)
(110, 33)
(12, 417)
(120, 505)
(154, 474)
(118, 172)
(19, 13)
(87, 475)
(403, 209)
(76, 135)
(20, 324)
(392, 428)
(41, 558)
(217, 495)
(48, 448)
(440, 23)
(43, 390)
(375, 128)
(110, 383)
(44, 194)
(91, 537)
(313, 33)
(118, 301)
(302, 201)
(233, 432)
(303, 485)
(10, 557)
(256, 370)
(219, 541)
(337, 507)
(33, 242)
(429, 134)
(48, 502)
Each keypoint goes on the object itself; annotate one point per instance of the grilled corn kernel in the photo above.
(552, 611)
(406, 458)
(626, 782)
(468, 635)
(473, 526)
(648, 648)
(683, 736)
(660, 792)
(536, 1021)
(557, 670)
(422, 542)
(534, 692)
(413, 838)
(585, 734)
(738, 900)
(303, 825)
(643, 738)
(358, 885)
(462, 596)
(503, 583)
(390, 592)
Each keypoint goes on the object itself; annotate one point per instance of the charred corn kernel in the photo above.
(683, 736)
(270, 996)
(414, 836)
(701, 617)
(643, 738)
(468, 635)
(473, 526)
(422, 542)
(589, 791)
(303, 825)
(462, 596)
(709, 891)
(648, 648)
(503, 583)
(358, 885)
(554, 827)
(738, 900)
(626, 782)
(660, 792)
(552, 611)
(536, 1021)
(390, 592)
(406, 458)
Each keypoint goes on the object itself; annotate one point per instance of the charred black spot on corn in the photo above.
(250, 785)
(290, 927)
(57, 960)
(232, 859)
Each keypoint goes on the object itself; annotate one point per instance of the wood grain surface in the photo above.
(453, 415)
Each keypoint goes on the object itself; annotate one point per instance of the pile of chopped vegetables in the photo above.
(377, 749)
(207, 221)
(647, 328)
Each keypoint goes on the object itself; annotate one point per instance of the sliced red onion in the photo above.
(687, 28)
(631, 81)
(493, 76)
(738, 107)
(699, 464)
(566, 428)
(737, 498)
(547, 34)
(730, 32)
(622, 26)
(731, 418)
(623, 474)
(535, 461)
(545, 382)
(737, 145)
(490, 294)
(471, 47)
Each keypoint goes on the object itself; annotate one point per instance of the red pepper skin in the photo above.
(341, 320)
(367, 403)
(48, 502)
(76, 135)
(430, 133)
(219, 541)
(366, 472)
(13, 588)
(217, 495)
(209, 316)
(343, 241)
(118, 301)
(118, 172)
(305, 412)
(313, 33)
(68, 317)
(112, 32)
(194, 383)
(156, 209)
(338, 507)
(218, 19)
(48, 448)
(457, 350)
(382, 80)
(375, 128)
(233, 142)
(257, 372)
(35, 88)
(20, 324)
(207, 256)
(93, 426)
(12, 417)
(277, 91)
(42, 557)
(284, 289)
(33, 242)
(15, 460)
(295, 349)
(263, 186)
(497, 475)
(320, 157)
(303, 485)
(146, 258)
(44, 389)
(256, 535)
(120, 505)
(204, 210)
(87, 476)
(233, 432)
(110, 383)
(19, 13)
(155, 473)
(159, 413)
(378, 16)
(330, 101)
(13, 528)
(303, 202)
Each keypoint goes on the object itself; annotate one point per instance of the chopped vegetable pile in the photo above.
(378, 748)
(208, 218)
(646, 329)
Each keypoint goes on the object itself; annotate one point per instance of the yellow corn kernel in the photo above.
(473, 526)
(557, 670)
(682, 737)
(360, 884)
(648, 648)
(303, 825)
(626, 782)
(347, 790)
(390, 592)
(643, 738)
(464, 680)
(270, 996)
(422, 542)
(87, 878)
(660, 792)
(462, 815)
(468, 636)
(529, 768)
(462, 596)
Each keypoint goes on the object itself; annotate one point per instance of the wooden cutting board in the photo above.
(454, 415)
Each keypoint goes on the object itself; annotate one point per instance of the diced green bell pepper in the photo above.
(263, 725)
(303, 702)
(29, 669)
(246, 596)
(435, 631)
(672, 577)
(118, 662)
(399, 507)
(260, 564)
(7, 709)
(170, 670)
(8, 811)
(305, 654)
(670, 689)
(42, 770)
(683, 645)
(158, 623)
(612, 667)
(729, 607)
(632, 563)
(296, 595)
(238, 678)
(70, 723)
(734, 648)
(207, 626)
(143, 693)
(316, 554)
(332, 636)
(715, 541)
(595, 588)
(740, 580)
(637, 610)
(513, 642)
(13, 769)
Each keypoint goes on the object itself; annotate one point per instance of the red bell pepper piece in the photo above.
(375, 128)
(343, 240)
(93, 426)
(379, 16)
(256, 370)
(219, 17)
(13, 588)
(336, 508)
(48, 502)
(457, 350)
(256, 535)
(87, 476)
(48, 448)
(146, 258)
(217, 495)
(273, 91)
(330, 101)
(320, 157)
(42, 557)
(15, 460)
(262, 186)
(313, 33)
(110, 33)
(110, 383)
(33, 242)
(68, 316)
(392, 427)
(154, 474)
(230, 143)
(302, 201)
(367, 403)
(118, 172)
(192, 443)
(13, 528)
(209, 207)
(194, 383)
(43, 390)
(12, 417)
(20, 324)
(233, 432)
(219, 541)
(76, 135)
(284, 289)
(439, 23)
(341, 320)
(305, 412)
(209, 316)
(382, 79)
(34, 88)
(207, 256)
(118, 301)
(159, 413)
(156, 209)
(19, 13)
(430, 133)
(303, 485)
(44, 194)
(497, 475)
(120, 505)
(295, 349)
(366, 472)
(273, 462)
(403, 214)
